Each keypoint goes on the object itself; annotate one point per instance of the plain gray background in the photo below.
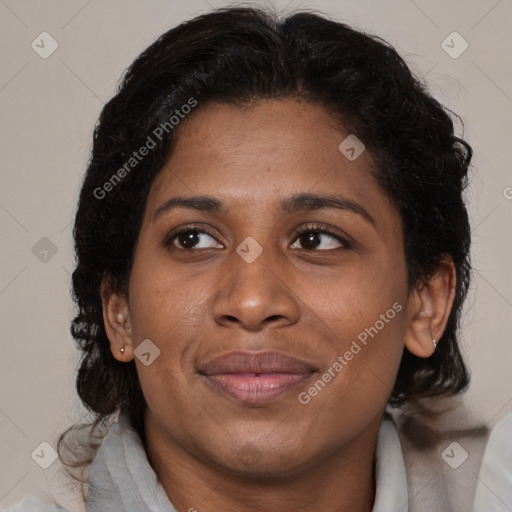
(48, 110)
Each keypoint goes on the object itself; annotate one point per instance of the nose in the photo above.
(255, 295)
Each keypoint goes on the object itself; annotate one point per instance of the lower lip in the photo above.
(252, 388)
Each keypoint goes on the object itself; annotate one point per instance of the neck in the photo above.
(341, 481)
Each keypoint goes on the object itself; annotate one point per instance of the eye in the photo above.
(321, 238)
(190, 237)
(311, 238)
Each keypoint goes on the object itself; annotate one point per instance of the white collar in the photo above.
(391, 480)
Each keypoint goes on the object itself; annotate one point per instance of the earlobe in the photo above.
(116, 316)
(429, 308)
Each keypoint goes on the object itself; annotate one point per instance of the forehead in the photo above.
(257, 155)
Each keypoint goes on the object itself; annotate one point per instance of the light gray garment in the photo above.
(121, 479)
(494, 492)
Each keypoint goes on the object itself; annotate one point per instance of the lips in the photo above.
(256, 377)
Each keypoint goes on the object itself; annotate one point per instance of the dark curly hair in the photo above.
(238, 56)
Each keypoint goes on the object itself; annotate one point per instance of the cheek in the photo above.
(366, 295)
(162, 302)
(366, 343)
(359, 376)
(168, 308)
(363, 316)
(164, 312)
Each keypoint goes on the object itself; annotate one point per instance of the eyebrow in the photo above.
(289, 205)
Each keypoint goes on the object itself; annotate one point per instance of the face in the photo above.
(280, 322)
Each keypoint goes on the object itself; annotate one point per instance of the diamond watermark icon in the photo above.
(454, 45)
(44, 45)
(44, 250)
(146, 352)
(351, 147)
(249, 249)
(249, 454)
(454, 455)
(44, 455)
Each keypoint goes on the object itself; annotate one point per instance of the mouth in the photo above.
(256, 377)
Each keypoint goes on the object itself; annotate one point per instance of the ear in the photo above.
(429, 306)
(116, 316)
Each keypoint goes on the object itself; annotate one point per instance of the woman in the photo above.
(272, 249)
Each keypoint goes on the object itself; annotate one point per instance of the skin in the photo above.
(209, 451)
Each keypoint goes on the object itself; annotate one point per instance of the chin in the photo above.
(256, 463)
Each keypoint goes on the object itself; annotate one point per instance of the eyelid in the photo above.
(169, 238)
(345, 240)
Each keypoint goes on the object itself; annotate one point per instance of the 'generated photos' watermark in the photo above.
(137, 156)
(342, 360)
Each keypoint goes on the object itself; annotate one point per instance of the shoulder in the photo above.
(30, 504)
(494, 487)
(443, 452)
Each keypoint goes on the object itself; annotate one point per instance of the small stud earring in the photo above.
(435, 344)
(122, 350)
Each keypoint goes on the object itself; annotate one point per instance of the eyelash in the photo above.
(316, 228)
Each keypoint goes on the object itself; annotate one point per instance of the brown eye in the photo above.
(322, 239)
(191, 238)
